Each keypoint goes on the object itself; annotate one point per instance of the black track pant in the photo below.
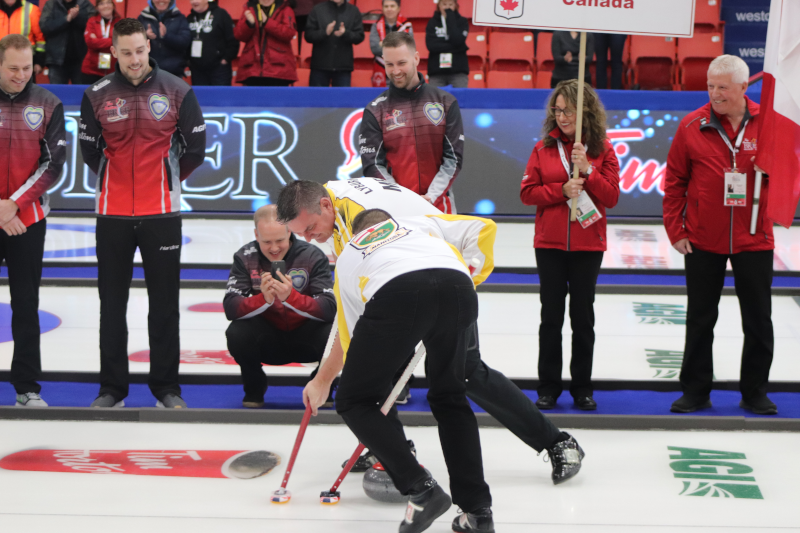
(562, 273)
(23, 255)
(253, 341)
(437, 307)
(705, 277)
(159, 240)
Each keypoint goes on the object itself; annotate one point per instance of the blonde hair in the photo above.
(267, 213)
(594, 116)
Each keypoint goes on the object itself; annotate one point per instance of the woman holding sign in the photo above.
(569, 254)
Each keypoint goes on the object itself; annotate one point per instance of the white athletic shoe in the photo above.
(30, 399)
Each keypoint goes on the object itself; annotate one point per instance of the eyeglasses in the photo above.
(566, 112)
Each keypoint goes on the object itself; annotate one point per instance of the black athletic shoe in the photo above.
(690, 404)
(760, 406)
(368, 459)
(404, 395)
(545, 403)
(565, 457)
(585, 403)
(479, 521)
(426, 502)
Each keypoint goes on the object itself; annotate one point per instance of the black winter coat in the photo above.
(447, 38)
(57, 31)
(171, 50)
(331, 52)
(216, 34)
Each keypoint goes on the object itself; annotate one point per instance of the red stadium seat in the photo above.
(511, 51)
(476, 41)
(499, 79)
(361, 78)
(694, 56)
(366, 6)
(543, 79)
(653, 61)
(544, 52)
(305, 55)
(476, 80)
(235, 8)
(465, 8)
(422, 48)
(419, 24)
(302, 77)
(706, 16)
(418, 9)
(362, 55)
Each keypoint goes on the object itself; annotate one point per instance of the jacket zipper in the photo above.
(10, 140)
(731, 241)
(133, 158)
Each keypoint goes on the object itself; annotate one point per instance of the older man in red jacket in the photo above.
(708, 201)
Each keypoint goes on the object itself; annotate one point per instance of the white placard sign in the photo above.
(668, 18)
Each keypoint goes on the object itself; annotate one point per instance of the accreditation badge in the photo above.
(445, 60)
(104, 61)
(735, 188)
(197, 48)
(587, 212)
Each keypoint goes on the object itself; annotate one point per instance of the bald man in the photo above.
(276, 320)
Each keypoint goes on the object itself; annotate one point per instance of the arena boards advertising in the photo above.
(253, 150)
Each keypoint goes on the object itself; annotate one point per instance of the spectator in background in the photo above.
(169, 35)
(566, 52)
(99, 61)
(446, 39)
(63, 24)
(714, 147)
(333, 28)
(22, 18)
(277, 321)
(213, 44)
(267, 28)
(603, 43)
(569, 254)
(391, 21)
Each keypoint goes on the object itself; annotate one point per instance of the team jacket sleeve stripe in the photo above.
(51, 162)
(249, 303)
(452, 154)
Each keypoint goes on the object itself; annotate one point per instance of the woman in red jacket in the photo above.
(267, 29)
(99, 61)
(569, 254)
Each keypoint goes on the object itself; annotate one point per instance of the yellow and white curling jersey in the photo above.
(350, 197)
(376, 256)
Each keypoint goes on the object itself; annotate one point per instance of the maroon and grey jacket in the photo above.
(142, 141)
(311, 298)
(34, 149)
(416, 139)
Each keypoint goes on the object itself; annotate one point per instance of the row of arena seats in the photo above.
(519, 59)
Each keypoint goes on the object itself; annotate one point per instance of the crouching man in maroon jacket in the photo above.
(282, 319)
(708, 202)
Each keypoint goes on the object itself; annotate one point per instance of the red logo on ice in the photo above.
(235, 464)
(203, 357)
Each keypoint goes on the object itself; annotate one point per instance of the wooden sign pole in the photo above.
(579, 121)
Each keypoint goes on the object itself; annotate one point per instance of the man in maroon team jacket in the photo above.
(142, 132)
(412, 134)
(708, 221)
(33, 154)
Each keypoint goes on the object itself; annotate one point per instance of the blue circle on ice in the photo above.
(47, 322)
(633, 114)
(484, 207)
(484, 120)
(649, 132)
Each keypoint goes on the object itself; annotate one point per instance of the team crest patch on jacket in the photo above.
(158, 104)
(434, 112)
(393, 121)
(299, 278)
(33, 116)
(116, 110)
(379, 235)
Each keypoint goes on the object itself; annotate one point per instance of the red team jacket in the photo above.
(267, 45)
(97, 45)
(311, 299)
(416, 139)
(541, 186)
(695, 182)
(34, 149)
(141, 141)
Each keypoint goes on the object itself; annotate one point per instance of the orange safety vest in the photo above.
(24, 21)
